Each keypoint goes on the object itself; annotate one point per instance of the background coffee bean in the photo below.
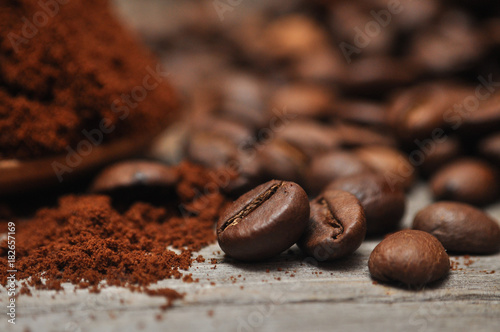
(389, 161)
(264, 222)
(439, 153)
(333, 165)
(411, 257)
(384, 202)
(281, 160)
(490, 148)
(466, 180)
(211, 149)
(310, 137)
(460, 227)
(336, 228)
(128, 174)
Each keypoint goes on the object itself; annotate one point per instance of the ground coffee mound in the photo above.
(66, 66)
(86, 241)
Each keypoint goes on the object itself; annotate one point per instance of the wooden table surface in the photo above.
(295, 295)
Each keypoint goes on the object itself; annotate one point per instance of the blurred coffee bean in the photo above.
(438, 153)
(292, 37)
(356, 135)
(331, 166)
(460, 227)
(386, 160)
(241, 174)
(490, 148)
(466, 180)
(303, 100)
(361, 112)
(421, 112)
(311, 137)
(373, 76)
(478, 117)
(236, 132)
(449, 45)
(283, 161)
(210, 149)
(129, 181)
(324, 66)
(169, 147)
(242, 99)
(383, 202)
(349, 21)
(134, 173)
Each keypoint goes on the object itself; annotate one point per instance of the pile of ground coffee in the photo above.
(67, 66)
(85, 240)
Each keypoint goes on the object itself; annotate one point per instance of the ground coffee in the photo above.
(86, 241)
(66, 67)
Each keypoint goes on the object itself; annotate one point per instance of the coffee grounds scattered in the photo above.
(85, 241)
(66, 75)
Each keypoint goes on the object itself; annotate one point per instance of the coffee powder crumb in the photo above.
(210, 313)
(169, 294)
(88, 243)
(200, 259)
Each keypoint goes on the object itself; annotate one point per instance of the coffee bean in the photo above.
(355, 135)
(484, 119)
(466, 180)
(241, 174)
(303, 100)
(361, 112)
(388, 161)
(314, 138)
(383, 201)
(410, 257)
(331, 166)
(418, 112)
(460, 227)
(210, 149)
(336, 228)
(129, 174)
(438, 153)
(281, 160)
(490, 148)
(236, 132)
(264, 222)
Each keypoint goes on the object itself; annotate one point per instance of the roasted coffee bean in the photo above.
(383, 201)
(326, 65)
(210, 149)
(241, 174)
(410, 257)
(361, 112)
(331, 166)
(490, 148)
(419, 112)
(310, 137)
(336, 228)
(355, 135)
(264, 222)
(372, 76)
(293, 36)
(460, 227)
(466, 180)
(129, 174)
(303, 100)
(437, 153)
(389, 161)
(236, 132)
(484, 119)
(281, 160)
